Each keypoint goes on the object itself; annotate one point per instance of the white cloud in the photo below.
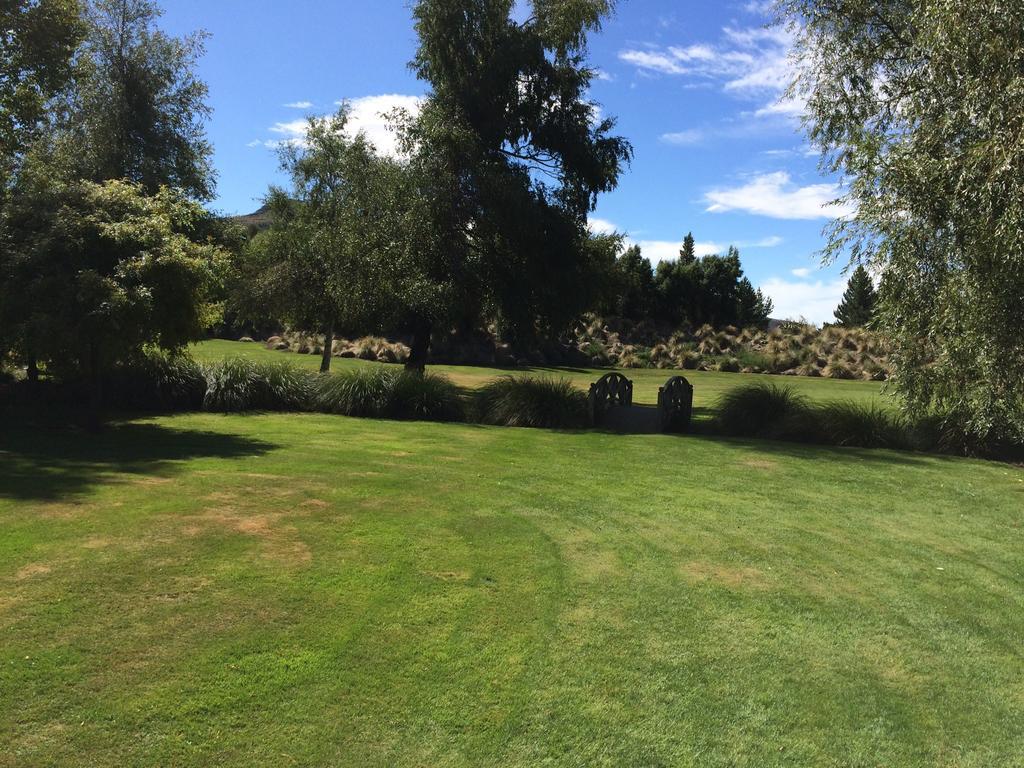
(654, 62)
(299, 105)
(601, 226)
(668, 250)
(815, 301)
(802, 272)
(685, 138)
(367, 115)
(774, 195)
(600, 74)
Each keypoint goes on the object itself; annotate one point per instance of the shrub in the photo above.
(157, 381)
(764, 410)
(861, 426)
(531, 401)
(424, 397)
(242, 385)
(379, 392)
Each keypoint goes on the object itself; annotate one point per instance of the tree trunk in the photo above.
(420, 347)
(325, 363)
(32, 370)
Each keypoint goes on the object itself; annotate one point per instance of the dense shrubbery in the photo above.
(389, 393)
(531, 401)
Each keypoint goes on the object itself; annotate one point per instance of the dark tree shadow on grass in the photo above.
(53, 464)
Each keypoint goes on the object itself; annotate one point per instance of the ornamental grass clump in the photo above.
(387, 393)
(531, 401)
(243, 385)
(157, 381)
(861, 425)
(765, 410)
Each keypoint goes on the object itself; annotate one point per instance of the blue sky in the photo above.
(695, 85)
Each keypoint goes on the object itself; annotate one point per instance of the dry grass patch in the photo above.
(729, 576)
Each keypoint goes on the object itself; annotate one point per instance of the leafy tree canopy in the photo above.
(920, 104)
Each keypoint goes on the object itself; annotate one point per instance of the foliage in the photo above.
(860, 425)
(37, 39)
(244, 385)
(319, 267)
(380, 392)
(506, 161)
(921, 107)
(764, 410)
(531, 401)
(857, 309)
(90, 273)
(156, 380)
(137, 109)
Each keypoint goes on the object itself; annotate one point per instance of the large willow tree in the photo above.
(920, 104)
(508, 158)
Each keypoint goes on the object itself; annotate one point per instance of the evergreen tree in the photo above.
(754, 308)
(688, 254)
(857, 308)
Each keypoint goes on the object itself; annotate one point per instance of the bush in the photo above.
(243, 385)
(388, 393)
(764, 410)
(531, 401)
(861, 426)
(157, 381)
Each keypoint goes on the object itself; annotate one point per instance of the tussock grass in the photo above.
(531, 401)
(238, 384)
(157, 381)
(389, 393)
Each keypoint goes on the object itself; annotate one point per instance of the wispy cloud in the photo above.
(775, 195)
(299, 105)
(802, 272)
(685, 138)
(748, 62)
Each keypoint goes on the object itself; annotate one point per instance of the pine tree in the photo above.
(688, 254)
(857, 308)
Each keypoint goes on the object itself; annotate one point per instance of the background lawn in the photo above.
(310, 590)
(707, 385)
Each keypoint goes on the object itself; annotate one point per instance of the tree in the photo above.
(319, 265)
(857, 309)
(636, 296)
(688, 254)
(508, 158)
(93, 272)
(37, 40)
(918, 105)
(754, 309)
(138, 109)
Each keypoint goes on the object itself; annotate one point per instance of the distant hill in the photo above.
(256, 221)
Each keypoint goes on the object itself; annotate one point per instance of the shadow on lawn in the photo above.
(53, 464)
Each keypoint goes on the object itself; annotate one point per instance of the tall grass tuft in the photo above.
(531, 401)
(157, 381)
(243, 385)
(764, 410)
(389, 393)
(861, 426)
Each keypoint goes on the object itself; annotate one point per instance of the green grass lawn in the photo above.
(310, 590)
(707, 385)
